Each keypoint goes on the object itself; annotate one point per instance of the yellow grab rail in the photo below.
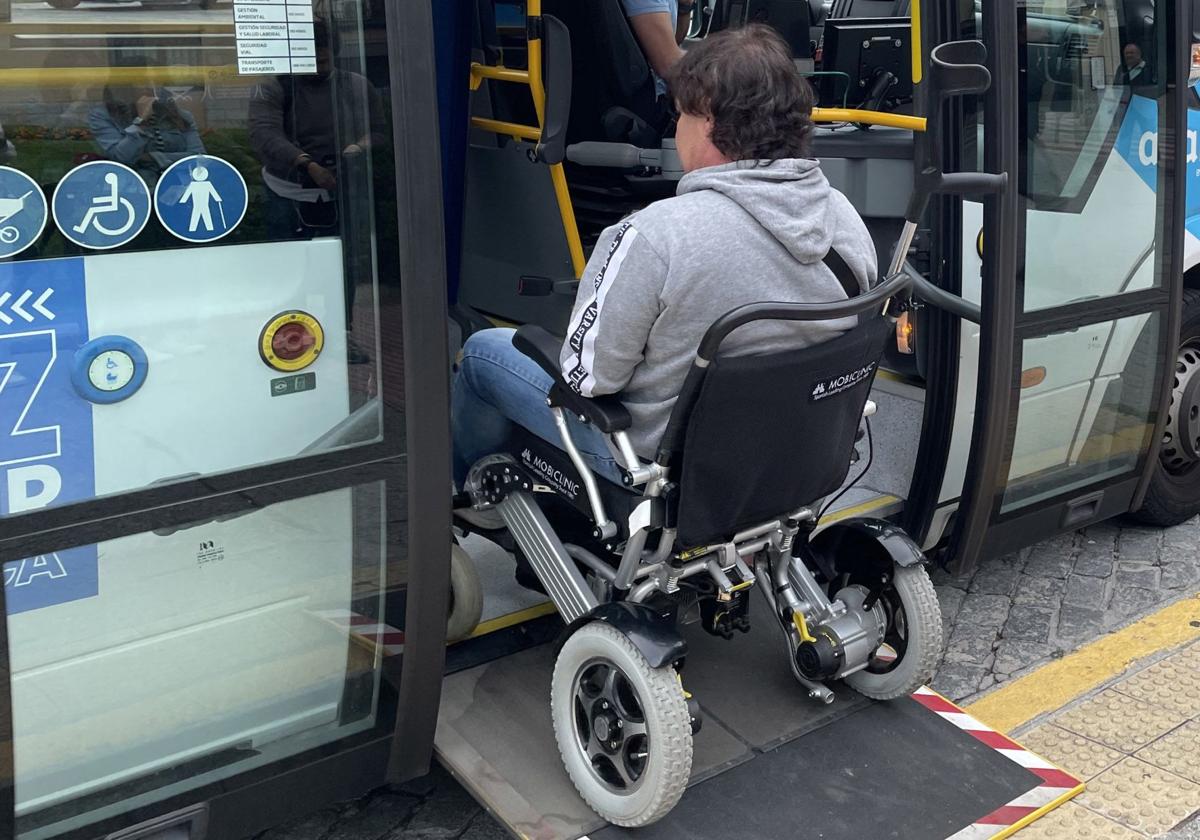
(479, 72)
(855, 115)
(537, 90)
(918, 57)
(507, 129)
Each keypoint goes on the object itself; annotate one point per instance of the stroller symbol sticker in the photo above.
(23, 211)
(201, 198)
(101, 205)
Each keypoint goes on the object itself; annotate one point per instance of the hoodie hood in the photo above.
(790, 198)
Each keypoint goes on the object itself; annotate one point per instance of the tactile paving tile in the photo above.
(1178, 752)
(1165, 684)
(1189, 657)
(1120, 721)
(1072, 821)
(1071, 752)
(1142, 796)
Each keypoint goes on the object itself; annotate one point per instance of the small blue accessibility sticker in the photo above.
(101, 205)
(201, 198)
(23, 211)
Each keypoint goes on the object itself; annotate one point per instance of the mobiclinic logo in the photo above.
(552, 474)
(842, 382)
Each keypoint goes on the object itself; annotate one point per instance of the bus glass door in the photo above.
(205, 241)
(1065, 432)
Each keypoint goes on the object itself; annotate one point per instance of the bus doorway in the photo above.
(1090, 430)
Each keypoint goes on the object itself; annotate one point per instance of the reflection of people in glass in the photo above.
(1133, 71)
(7, 149)
(312, 133)
(143, 128)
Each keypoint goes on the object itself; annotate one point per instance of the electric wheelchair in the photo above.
(753, 446)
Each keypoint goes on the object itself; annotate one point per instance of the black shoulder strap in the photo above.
(842, 271)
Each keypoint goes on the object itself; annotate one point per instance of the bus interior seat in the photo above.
(613, 91)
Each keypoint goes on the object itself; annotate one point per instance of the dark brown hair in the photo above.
(745, 79)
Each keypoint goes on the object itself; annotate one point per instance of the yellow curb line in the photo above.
(1056, 684)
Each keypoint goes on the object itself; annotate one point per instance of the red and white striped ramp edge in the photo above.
(1056, 786)
(368, 629)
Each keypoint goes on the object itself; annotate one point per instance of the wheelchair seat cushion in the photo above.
(772, 433)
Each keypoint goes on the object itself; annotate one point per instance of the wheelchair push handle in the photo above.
(831, 311)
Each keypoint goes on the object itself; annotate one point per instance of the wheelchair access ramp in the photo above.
(768, 762)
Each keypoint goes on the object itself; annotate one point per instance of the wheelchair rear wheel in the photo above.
(622, 727)
(912, 640)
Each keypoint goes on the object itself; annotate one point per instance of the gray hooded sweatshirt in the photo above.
(745, 232)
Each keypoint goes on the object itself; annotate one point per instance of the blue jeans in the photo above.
(499, 388)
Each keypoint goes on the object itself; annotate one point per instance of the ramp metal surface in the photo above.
(768, 762)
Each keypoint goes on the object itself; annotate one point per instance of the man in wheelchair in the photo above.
(673, 450)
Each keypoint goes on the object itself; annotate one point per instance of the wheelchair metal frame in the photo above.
(639, 574)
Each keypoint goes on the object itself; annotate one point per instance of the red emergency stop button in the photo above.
(291, 341)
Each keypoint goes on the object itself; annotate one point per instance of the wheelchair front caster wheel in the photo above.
(466, 596)
(622, 727)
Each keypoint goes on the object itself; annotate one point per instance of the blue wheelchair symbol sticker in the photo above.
(23, 211)
(101, 205)
(201, 198)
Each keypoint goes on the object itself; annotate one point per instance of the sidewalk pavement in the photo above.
(1135, 742)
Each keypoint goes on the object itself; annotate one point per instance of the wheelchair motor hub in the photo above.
(847, 643)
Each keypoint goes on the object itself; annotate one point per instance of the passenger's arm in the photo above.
(270, 141)
(124, 146)
(616, 307)
(191, 135)
(655, 33)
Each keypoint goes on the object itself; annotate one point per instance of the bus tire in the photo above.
(1173, 496)
(62, 4)
(603, 688)
(466, 596)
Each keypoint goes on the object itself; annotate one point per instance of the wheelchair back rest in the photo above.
(769, 434)
(609, 68)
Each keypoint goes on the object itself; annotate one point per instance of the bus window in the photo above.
(262, 180)
(209, 652)
(198, 245)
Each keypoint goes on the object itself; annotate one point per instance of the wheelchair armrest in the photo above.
(606, 413)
